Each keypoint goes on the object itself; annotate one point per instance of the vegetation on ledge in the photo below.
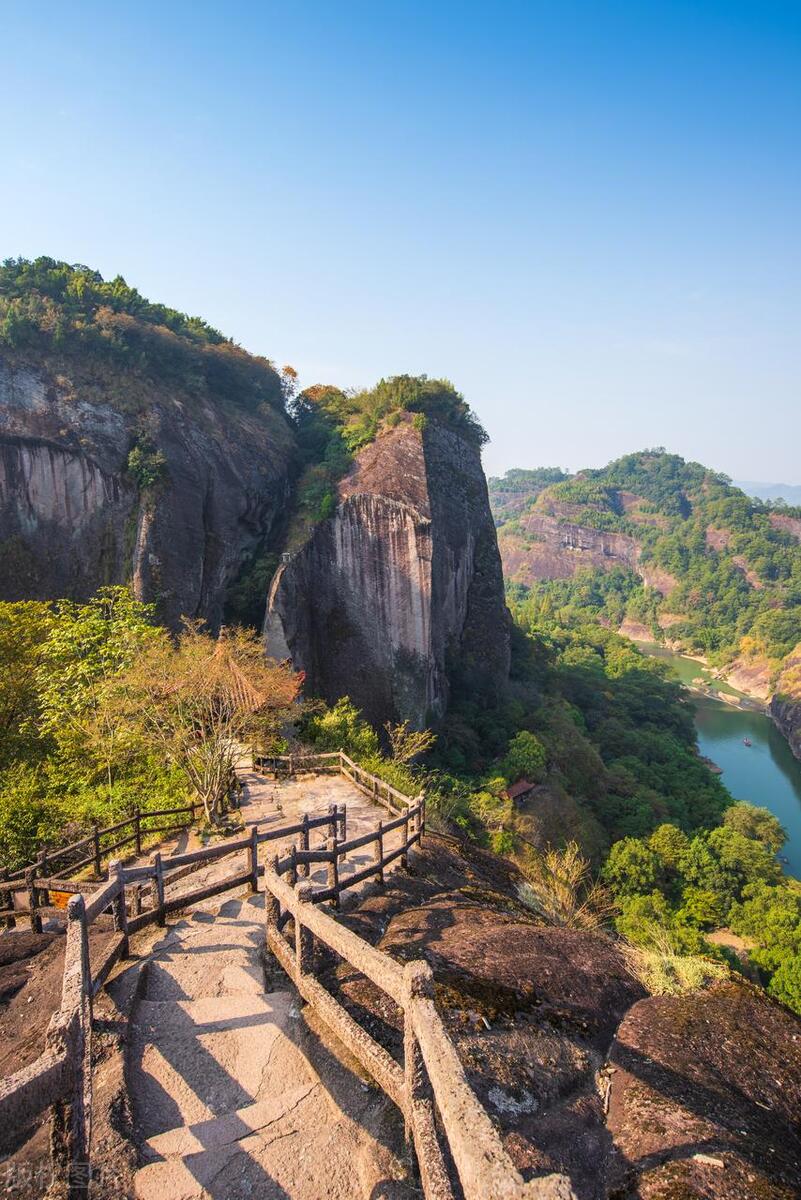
(103, 332)
(333, 425)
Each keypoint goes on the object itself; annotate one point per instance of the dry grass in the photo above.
(663, 972)
(559, 887)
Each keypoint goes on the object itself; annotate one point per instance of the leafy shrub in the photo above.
(147, 465)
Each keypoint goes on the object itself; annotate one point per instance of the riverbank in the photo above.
(741, 740)
(708, 681)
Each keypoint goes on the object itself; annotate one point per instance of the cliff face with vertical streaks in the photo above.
(73, 517)
(400, 584)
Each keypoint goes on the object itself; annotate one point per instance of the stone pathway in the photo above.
(273, 803)
(235, 1094)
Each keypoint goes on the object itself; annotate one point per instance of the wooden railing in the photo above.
(338, 762)
(54, 867)
(62, 1075)
(431, 1082)
(430, 1087)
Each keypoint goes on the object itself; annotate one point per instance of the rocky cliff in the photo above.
(550, 545)
(785, 706)
(401, 584)
(73, 516)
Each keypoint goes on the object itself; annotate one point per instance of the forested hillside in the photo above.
(670, 544)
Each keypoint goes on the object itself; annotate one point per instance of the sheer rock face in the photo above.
(401, 582)
(73, 519)
(551, 547)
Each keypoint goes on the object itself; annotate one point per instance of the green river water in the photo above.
(765, 772)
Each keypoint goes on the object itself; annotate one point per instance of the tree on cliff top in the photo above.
(357, 416)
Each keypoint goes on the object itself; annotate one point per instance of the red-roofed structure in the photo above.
(518, 791)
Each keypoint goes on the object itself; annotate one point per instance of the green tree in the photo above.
(669, 843)
(342, 728)
(24, 628)
(28, 815)
(632, 868)
(525, 758)
(786, 983)
(640, 914)
(757, 823)
(86, 647)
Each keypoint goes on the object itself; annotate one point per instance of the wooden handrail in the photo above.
(433, 1074)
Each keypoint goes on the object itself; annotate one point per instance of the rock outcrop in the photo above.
(551, 547)
(401, 584)
(72, 516)
(684, 1097)
(785, 706)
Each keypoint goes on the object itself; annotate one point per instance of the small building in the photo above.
(520, 791)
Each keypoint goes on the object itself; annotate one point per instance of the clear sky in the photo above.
(586, 214)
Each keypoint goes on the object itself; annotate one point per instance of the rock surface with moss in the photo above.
(687, 1096)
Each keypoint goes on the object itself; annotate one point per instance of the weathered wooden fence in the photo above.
(54, 866)
(430, 1087)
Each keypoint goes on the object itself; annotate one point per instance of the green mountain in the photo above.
(669, 545)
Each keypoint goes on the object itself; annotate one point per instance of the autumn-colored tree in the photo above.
(197, 699)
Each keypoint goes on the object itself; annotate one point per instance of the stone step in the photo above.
(223, 1131)
(198, 1059)
(294, 1159)
(195, 971)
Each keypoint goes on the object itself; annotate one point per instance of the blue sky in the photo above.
(586, 214)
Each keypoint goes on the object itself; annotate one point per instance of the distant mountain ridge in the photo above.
(789, 492)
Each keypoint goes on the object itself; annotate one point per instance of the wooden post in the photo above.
(254, 858)
(333, 870)
(271, 912)
(35, 917)
(418, 980)
(42, 894)
(304, 943)
(96, 838)
(422, 817)
(332, 820)
(115, 871)
(379, 851)
(72, 1113)
(404, 858)
(7, 897)
(343, 825)
(158, 889)
(305, 868)
(138, 830)
(293, 864)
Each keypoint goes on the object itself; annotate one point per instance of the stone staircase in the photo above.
(234, 1095)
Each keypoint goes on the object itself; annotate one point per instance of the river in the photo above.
(763, 773)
